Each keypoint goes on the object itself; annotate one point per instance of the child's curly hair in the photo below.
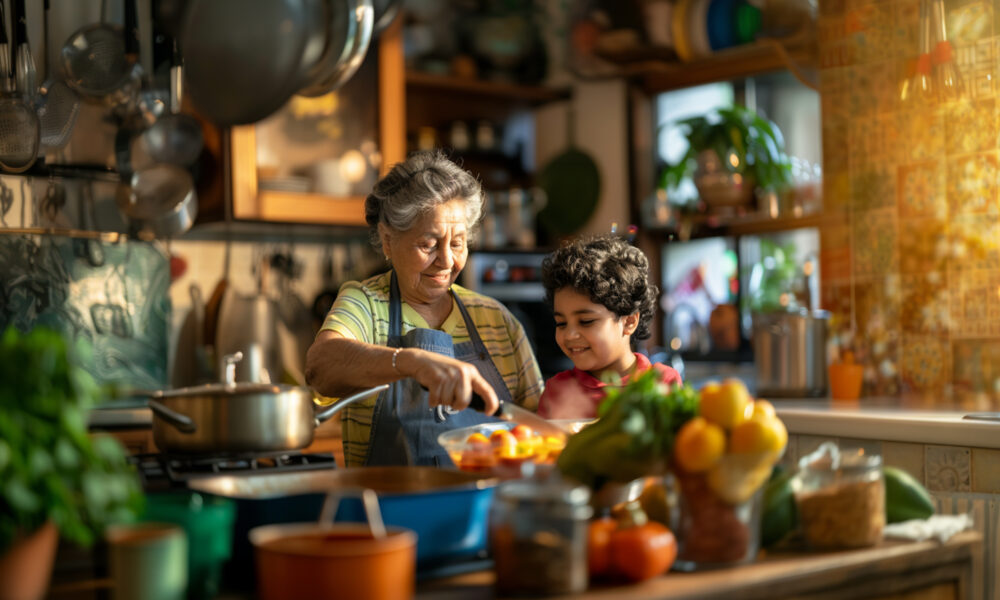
(610, 271)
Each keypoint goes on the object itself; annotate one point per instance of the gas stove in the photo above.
(160, 471)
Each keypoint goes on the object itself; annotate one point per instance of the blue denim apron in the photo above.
(404, 426)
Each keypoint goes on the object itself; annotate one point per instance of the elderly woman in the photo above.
(435, 342)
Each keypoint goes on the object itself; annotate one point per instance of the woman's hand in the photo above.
(449, 382)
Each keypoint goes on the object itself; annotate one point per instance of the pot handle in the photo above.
(328, 411)
(182, 423)
(369, 500)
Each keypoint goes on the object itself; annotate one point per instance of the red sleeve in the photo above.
(668, 374)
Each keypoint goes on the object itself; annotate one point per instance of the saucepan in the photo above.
(231, 418)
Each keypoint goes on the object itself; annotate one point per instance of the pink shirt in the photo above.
(576, 394)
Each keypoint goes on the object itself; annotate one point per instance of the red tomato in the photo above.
(599, 545)
(643, 552)
(523, 432)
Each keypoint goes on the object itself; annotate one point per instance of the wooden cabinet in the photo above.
(136, 441)
(315, 159)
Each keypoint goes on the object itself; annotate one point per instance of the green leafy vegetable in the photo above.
(50, 468)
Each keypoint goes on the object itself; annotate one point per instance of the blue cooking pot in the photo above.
(447, 509)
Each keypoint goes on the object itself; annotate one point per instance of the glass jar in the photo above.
(712, 531)
(538, 536)
(840, 497)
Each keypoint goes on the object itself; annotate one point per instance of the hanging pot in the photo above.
(240, 418)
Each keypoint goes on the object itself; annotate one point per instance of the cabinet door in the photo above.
(316, 159)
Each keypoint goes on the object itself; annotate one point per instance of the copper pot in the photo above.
(319, 560)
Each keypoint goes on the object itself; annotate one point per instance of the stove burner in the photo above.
(167, 470)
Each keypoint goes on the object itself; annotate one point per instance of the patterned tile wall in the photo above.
(915, 273)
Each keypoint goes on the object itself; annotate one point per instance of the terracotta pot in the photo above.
(26, 567)
(350, 560)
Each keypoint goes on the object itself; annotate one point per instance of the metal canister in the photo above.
(538, 534)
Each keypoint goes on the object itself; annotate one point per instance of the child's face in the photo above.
(593, 337)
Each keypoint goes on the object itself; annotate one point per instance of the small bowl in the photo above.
(481, 458)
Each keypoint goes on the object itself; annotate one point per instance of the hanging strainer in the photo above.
(58, 106)
(19, 131)
(95, 58)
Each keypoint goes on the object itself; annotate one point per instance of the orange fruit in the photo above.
(763, 409)
(759, 434)
(699, 445)
(523, 432)
(726, 404)
(476, 439)
(503, 441)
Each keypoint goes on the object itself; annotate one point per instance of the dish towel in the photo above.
(941, 527)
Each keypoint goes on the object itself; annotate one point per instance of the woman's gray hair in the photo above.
(416, 186)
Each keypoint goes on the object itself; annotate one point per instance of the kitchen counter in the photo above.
(894, 569)
(887, 420)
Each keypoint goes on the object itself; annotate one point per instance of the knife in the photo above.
(508, 411)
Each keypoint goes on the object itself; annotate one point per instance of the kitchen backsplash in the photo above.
(913, 273)
(130, 299)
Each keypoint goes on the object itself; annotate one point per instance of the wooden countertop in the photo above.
(895, 569)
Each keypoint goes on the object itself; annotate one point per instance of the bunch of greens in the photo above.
(50, 467)
(634, 433)
(744, 141)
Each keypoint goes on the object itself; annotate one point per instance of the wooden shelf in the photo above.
(705, 226)
(659, 73)
(528, 94)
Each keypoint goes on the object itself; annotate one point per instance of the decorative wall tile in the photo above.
(790, 458)
(921, 189)
(948, 468)
(972, 184)
(875, 248)
(976, 372)
(923, 131)
(906, 17)
(974, 243)
(873, 186)
(925, 364)
(970, 22)
(877, 342)
(924, 307)
(985, 470)
(923, 245)
(971, 126)
(908, 457)
(975, 303)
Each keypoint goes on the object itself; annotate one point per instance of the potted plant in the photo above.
(57, 479)
(731, 151)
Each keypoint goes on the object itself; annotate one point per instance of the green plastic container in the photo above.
(208, 522)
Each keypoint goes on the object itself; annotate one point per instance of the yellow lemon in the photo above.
(726, 404)
(759, 434)
(699, 445)
(763, 409)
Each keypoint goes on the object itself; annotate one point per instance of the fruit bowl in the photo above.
(503, 448)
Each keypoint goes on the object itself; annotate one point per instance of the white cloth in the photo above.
(941, 527)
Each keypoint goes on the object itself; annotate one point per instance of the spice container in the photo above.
(840, 498)
(711, 531)
(538, 534)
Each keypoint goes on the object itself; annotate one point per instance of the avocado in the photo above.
(905, 498)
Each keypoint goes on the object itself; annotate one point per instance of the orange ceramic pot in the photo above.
(310, 560)
(26, 567)
(845, 381)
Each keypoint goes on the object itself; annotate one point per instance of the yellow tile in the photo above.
(985, 470)
(908, 457)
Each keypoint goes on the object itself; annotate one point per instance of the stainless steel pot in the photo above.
(789, 351)
(240, 418)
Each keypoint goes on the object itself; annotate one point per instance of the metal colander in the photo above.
(58, 109)
(19, 135)
(94, 58)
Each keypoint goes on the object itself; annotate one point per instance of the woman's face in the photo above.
(593, 337)
(430, 255)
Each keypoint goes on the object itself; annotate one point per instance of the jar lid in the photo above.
(549, 492)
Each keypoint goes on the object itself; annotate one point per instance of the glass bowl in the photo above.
(505, 454)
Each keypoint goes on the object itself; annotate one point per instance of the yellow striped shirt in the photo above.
(361, 312)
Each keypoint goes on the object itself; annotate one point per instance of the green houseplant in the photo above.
(730, 152)
(53, 473)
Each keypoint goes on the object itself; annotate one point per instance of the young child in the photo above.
(602, 300)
